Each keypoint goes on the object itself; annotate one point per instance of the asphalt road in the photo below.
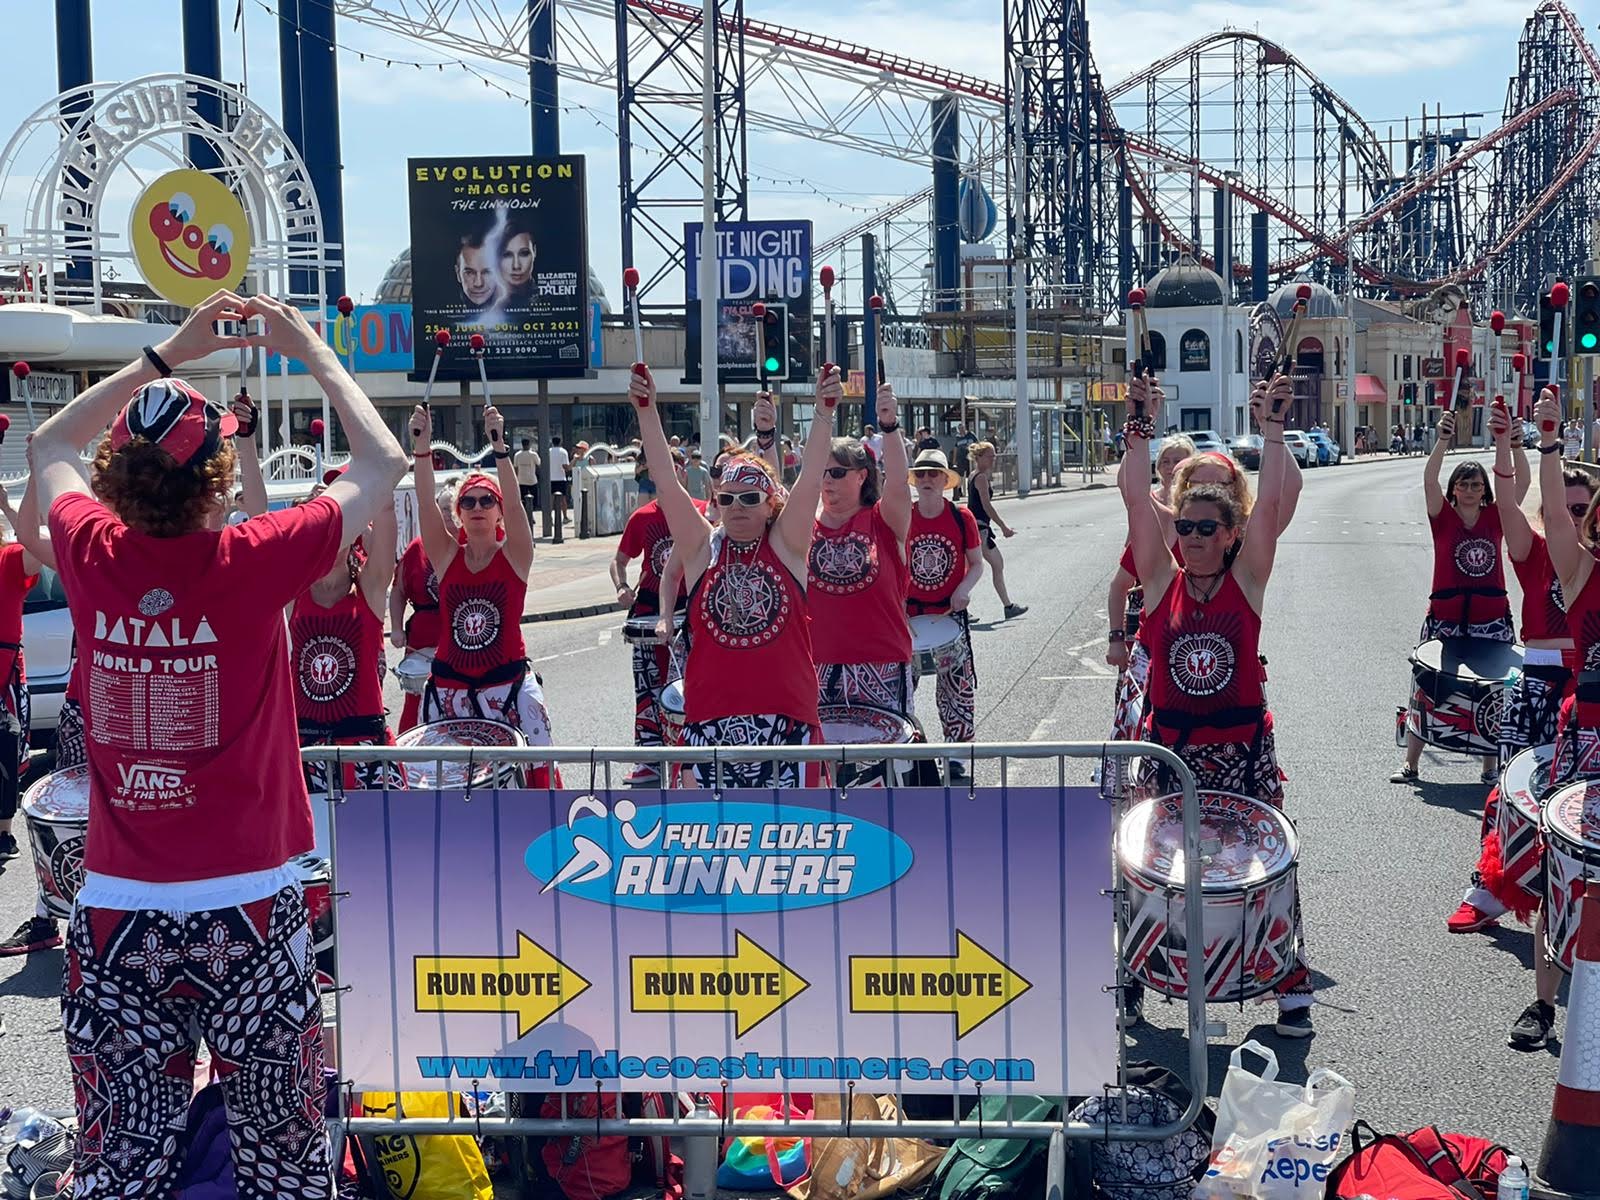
(1414, 1017)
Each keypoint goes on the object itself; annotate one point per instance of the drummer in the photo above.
(749, 678)
(944, 558)
(857, 574)
(1125, 600)
(417, 584)
(1533, 703)
(1203, 631)
(646, 537)
(1572, 543)
(19, 571)
(481, 669)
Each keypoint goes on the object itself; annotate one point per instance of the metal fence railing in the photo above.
(1010, 765)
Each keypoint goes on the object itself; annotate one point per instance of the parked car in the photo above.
(1206, 439)
(1300, 446)
(47, 650)
(1246, 451)
(1328, 452)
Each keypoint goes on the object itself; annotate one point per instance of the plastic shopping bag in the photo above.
(1275, 1140)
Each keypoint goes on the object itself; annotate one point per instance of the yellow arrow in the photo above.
(974, 984)
(751, 984)
(535, 984)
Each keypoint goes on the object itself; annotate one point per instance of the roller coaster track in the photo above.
(892, 91)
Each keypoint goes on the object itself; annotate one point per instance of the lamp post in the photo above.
(1019, 278)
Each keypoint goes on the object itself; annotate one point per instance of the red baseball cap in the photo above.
(171, 414)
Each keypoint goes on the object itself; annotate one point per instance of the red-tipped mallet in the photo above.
(1519, 364)
(22, 370)
(477, 345)
(1560, 293)
(441, 342)
(1141, 332)
(1497, 322)
(318, 428)
(876, 305)
(1302, 302)
(5, 424)
(347, 308)
(827, 277)
(1458, 399)
(630, 287)
(758, 310)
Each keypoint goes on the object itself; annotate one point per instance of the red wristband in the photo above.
(1499, 474)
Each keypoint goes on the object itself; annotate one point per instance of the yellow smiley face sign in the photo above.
(190, 237)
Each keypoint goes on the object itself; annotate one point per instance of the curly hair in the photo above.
(1238, 487)
(853, 453)
(150, 492)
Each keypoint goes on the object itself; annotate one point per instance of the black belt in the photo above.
(1452, 593)
(1547, 672)
(313, 733)
(513, 672)
(1185, 723)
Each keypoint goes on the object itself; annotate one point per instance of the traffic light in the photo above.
(1547, 330)
(1586, 316)
(773, 366)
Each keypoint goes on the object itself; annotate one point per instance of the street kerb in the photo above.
(1569, 1165)
(585, 939)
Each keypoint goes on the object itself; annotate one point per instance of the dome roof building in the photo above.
(1185, 284)
(1323, 302)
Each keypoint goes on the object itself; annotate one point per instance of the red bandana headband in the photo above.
(745, 475)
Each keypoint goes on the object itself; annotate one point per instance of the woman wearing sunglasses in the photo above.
(857, 574)
(749, 678)
(1572, 542)
(1468, 599)
(481, 667)
(1203, 632)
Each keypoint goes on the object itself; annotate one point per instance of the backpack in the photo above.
(1165, 1170)
(1423, 1165)
(596, 1168)
(988, 1168)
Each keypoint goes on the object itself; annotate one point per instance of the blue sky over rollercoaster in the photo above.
(1386, 58)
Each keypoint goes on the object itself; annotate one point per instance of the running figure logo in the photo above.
(1201, 663)
(1475, 557)
(590, 860)
(327, 668)
(844, 564)
(931, 558)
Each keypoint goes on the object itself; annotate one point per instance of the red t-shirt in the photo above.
(481, 616)
(1544, 612)
(856, 585)
(14, 585)
(749, 640)
(1583, 623)
(1469, 579)
(420, 588)
(936, 557)
(647, 538)
(194, 766)
(338, 660)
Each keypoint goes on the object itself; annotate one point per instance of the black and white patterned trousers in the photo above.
(136, 983)
(956, 686)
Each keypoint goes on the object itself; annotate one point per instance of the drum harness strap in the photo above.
(513, 672)
(1468, 593)
(1222, 718)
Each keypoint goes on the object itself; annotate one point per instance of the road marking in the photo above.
(1100, 669)
(1069, 678)
(579, 650)
(1039, 730)
(605, 637)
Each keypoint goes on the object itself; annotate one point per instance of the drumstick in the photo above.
(630, 288)
(1560, 293)
(827, 277)
(476, 345)
(758, 310)
(1302, 301)
(346, 307)
(317, 430)
(5, 424)
(441, 341)
(1463, 359)
(1519, 364)
(876, 304)
(1141, 332)
(22, 370)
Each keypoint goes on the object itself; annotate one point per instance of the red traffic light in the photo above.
(1589, 290)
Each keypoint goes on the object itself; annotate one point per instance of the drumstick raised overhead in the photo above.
(1291, 338)
(630, 289)
(827, 277)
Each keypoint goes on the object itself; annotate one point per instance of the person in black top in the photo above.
(981, 505)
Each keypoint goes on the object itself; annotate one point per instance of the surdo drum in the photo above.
(454, 734)
(57, 811)
(1458, 693)
(413, 671)
(1252, 938)
(1571, 827)
(1523, 786)
(932, 634)
(862, 724)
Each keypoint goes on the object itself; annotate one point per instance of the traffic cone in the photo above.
(1568, 1165)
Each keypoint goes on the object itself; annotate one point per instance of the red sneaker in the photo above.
(1469, 918)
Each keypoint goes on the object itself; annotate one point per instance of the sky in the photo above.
(1386, 58)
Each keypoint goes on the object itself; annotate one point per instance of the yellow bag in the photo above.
(858, 1168)
(436, 1167)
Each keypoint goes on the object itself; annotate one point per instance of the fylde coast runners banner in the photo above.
(921, 940)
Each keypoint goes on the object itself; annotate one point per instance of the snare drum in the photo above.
(1571, 827)
(413, 672)
(458, 732)
(1523, 785)
(1458, 693)
(931, 635)
(641, 630)
(57, 812)
(672, 713)
(316, 877)
(1252, 936)
(852, 724)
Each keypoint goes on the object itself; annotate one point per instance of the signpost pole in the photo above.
(710, 414)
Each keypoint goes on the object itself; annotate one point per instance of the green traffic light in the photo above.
(1589, 341)
(772, 364)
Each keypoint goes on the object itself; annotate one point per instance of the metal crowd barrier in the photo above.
(596, 765)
